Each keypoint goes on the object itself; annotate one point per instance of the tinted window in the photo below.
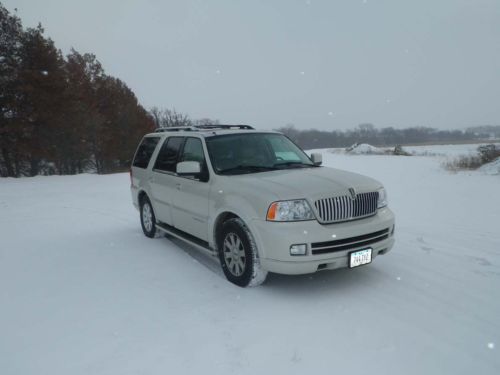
(144, 152)
(167, 157)
(193, 151)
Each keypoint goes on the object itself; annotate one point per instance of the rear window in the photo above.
(145, 151)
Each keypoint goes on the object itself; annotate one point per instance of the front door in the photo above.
(190, 197)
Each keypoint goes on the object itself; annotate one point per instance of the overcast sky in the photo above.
(316, 64)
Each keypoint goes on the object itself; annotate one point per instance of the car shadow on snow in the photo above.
(339, 280)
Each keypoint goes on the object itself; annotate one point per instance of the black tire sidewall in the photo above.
(152, 232)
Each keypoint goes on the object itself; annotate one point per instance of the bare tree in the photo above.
(156, 113)
(206, 121)
(165, 118)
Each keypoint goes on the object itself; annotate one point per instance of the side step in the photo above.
(186, 237)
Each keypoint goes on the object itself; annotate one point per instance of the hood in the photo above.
(312, 183)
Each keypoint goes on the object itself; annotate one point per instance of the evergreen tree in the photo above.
(10, 43)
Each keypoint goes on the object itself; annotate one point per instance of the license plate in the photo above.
(360, 257)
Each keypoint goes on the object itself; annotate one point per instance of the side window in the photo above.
(145, 151)
(193, 151)
(167, 157)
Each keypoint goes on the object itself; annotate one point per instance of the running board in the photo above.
(186, 237)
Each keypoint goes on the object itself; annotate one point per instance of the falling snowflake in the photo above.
(44, 72)
(388, 100)
(308, 2)
(217, 71)
(407, 50)
(330, 113)
(491, 345)
(302, 73)
(398, 278)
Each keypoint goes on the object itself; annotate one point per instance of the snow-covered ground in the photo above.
(492, 168)
(443, 150)
(82, 291)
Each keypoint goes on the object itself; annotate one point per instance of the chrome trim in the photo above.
(345, 208)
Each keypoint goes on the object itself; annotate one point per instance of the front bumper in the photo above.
(274, 240)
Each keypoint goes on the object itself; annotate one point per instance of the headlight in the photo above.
(382, 198)
(295, 210)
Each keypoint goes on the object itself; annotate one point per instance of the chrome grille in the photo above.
(344, 208)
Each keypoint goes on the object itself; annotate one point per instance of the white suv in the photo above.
(258, 202)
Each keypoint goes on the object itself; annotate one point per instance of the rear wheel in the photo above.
(238, 254)
(148, 220)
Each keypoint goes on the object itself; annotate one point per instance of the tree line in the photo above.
(368, 133)
(61, 114)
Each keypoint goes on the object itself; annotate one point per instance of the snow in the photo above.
(491, 168)
(365, 148)
(443, 150)
(82, 291)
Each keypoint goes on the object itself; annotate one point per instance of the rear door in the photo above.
(163, 178)
(139, 169)
(190, 197)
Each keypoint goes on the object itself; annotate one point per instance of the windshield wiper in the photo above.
(293, 164)
(247, 169)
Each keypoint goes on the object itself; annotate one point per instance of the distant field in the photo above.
(444, 150)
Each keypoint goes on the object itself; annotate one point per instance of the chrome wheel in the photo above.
(147, 217)
(234, 254)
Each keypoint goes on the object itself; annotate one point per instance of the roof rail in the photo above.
(219, 126)
(175, 129)
(202, 127)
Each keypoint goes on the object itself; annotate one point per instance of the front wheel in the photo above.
(238, 254)
(148, 220)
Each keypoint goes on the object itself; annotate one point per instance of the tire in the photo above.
(148, 219)
(238, 254)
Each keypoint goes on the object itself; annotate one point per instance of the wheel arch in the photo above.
(219, 221)
(141, 195)
(231, 214)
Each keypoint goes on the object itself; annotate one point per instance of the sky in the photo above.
(315, 64)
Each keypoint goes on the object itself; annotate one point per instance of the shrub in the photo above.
(488, 153)
(485, 154)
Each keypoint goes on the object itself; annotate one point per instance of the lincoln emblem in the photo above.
(353, 193)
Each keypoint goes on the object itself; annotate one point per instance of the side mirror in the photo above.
(317, 158)
(188, 168)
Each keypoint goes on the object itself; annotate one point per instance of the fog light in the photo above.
(298, 249)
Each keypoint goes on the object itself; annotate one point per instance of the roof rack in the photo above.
(202, 127)
(175, 129)
(215, 126)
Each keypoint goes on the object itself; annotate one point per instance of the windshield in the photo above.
(254, 152)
